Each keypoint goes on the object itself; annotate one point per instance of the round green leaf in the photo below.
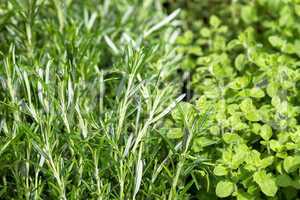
(264, 163)
(224, 189)
(266, 132)
(291, 164)
(256, 128)
(214, 21)
(249, 14)
(272, 89)
(205, 32)
(257, 93)
(239, 62)
(253, 116)
(239, 83)
(220, 170)
(249, 110)
(266, 183)
(276, 41)
(247, 105)
(284, 180)
(275, 145)
(231, 138)
(175, 133)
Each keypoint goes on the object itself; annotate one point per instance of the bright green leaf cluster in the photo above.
(248, 71)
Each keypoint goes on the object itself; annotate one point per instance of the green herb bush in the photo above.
(244, 62)
(83, 92)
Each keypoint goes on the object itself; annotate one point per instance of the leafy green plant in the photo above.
(243, 59)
